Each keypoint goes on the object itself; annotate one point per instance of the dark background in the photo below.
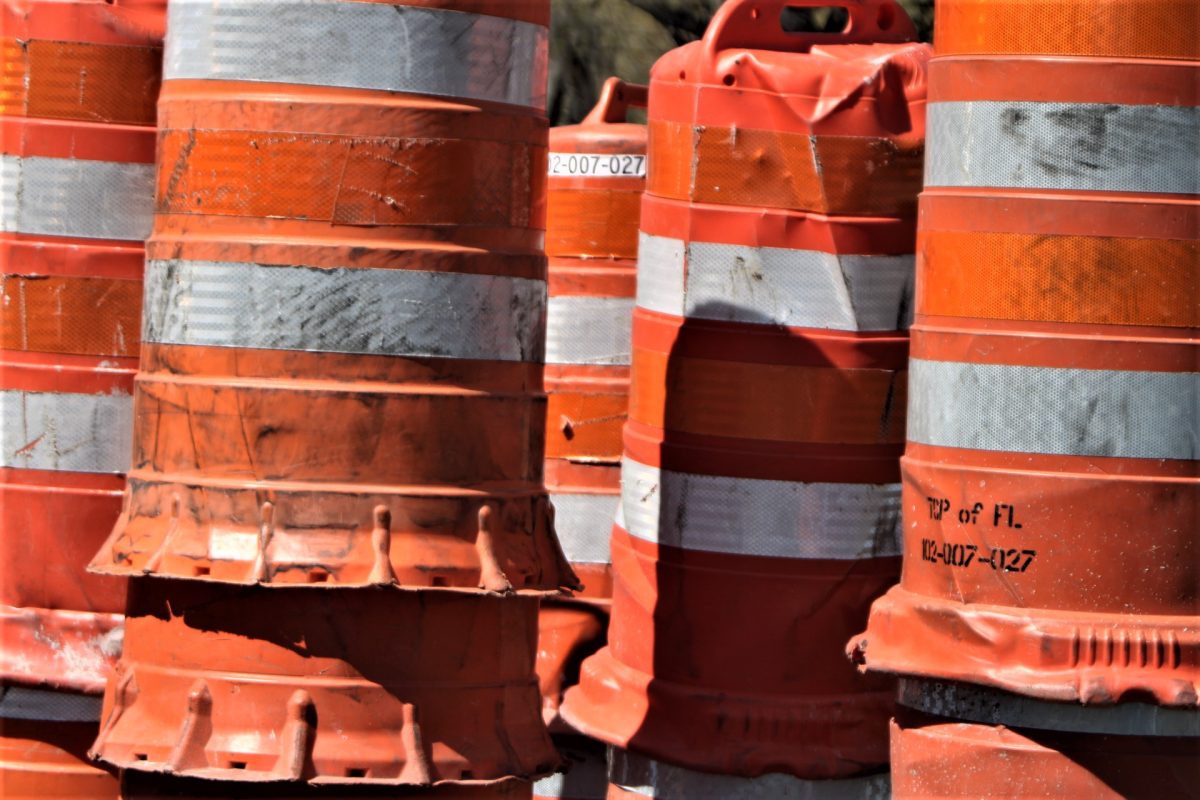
(593, 39)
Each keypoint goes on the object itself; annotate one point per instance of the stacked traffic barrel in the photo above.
(335, 519)
(78, 82)
(760, 495)
(1050, 480)
(597, 171)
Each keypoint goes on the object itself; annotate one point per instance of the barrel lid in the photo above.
(860, 80)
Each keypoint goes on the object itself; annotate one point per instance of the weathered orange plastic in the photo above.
(730, 661)
(283, 466)
(591, 241)
(78, 81)
(1056, 574)
(370, 686)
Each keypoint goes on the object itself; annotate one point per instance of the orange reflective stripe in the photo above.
(1075, 279)
(83, 316)
(1114, 28)
(601, 223)
(767, 401)
(373, 181)
(80, 80)
(748, 167)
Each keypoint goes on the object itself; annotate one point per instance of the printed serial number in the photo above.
(603, 165)
(967, 555)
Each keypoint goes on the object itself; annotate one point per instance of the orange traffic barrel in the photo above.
(584, 775)
(760, 495)
(375, 686)
(77, 87)
(44, 737)
(341, 377)
(1051, 481)
(597, 171)
(634, 777)
(954, 740)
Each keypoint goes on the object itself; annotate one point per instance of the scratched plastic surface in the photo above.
(1051, 480)
(341, 380)
(760, 456)
(77, 98)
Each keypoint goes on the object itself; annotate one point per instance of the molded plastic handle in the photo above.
(754, 24)
(616, 98)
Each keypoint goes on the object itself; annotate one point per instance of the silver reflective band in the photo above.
(392, 312)
(589, 330)
(73, 197)
(752, 517)
(989, 706)
(649, 778)
(774, 286)
(66, 432)
(1079, 146)
(358, 45)
(584, 523)
(18, 702)
(1054, 411)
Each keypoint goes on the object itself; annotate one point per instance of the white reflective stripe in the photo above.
(775, 286)
(73, 197)
(597, 165)
(752, 517)
(66, 432)
(19, 702)
(393, 312)
(1081, 146)
(584, 523)
(1054, 411)
(995, 707)
(649, 778)
(589, 330)
(358, 45)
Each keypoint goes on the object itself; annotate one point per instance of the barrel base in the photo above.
(818, 738)
(1052, 655)
(934, 757)
(40, 758)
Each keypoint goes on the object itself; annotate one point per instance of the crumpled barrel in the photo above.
(953, 740)
(597, 171)
(760, 498)
(78, 81)
(44, 737)
(341, 377)
(1051, 479)
(374, 686)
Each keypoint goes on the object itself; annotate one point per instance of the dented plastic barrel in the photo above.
(760, 495)
(77, 92)
(957, 740)
(345, 294)
(1051, 481)
(44, 737)
(370, 686)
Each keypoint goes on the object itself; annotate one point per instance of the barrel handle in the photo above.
(754, 25)
(616, 98)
